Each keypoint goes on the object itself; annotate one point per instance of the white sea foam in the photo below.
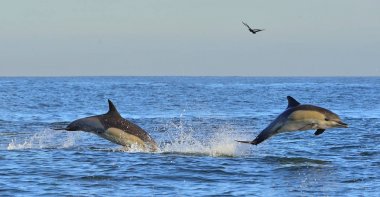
(133, 148)
(221, 142)
(45, 139)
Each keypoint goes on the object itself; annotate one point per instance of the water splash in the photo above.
(221, 142)
(133, 148)
(181, 139)
(44, 140)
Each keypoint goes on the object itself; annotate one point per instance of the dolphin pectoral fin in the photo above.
(319, 131)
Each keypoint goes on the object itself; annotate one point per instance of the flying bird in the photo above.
(254, 31)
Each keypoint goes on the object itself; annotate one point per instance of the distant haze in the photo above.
(189, 38)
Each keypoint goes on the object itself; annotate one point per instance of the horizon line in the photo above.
(263, 76)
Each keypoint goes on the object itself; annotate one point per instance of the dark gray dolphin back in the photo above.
(113, 119)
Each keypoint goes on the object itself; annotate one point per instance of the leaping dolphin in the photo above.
(299, 117)
(113, 127)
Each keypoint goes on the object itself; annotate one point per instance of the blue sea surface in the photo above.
(196, 121)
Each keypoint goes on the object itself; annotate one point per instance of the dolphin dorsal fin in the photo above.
(292, 102)
(112, 109)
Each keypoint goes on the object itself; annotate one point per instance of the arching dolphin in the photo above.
(114, 128)
(299, 117)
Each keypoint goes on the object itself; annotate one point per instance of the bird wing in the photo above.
(246, 25)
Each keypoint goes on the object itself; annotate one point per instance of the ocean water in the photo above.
(196, 121)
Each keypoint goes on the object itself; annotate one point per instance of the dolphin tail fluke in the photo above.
(59, 129)
(58, 126)
(62, 129)
(247, 142)
(260, 138)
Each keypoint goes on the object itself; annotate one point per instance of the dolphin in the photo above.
(113, 127)
(299, 117)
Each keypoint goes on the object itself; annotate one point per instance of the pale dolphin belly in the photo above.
(123, 138)
(298, 125)
(302, 120)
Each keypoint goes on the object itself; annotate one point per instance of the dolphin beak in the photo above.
(342, 124)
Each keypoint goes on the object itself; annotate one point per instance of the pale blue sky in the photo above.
(162, 37)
